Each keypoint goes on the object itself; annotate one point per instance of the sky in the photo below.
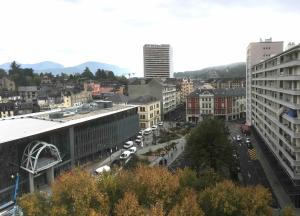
(202, 33)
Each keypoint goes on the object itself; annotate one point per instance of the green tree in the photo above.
(87, 74)
(100, 74)
(2, 73)
(14, 68)
(209, 147)
(110, 75)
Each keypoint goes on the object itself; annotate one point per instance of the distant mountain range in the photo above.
(235, 70)
(56, 68)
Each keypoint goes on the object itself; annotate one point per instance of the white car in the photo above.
(147, 131)
(138, 141)
(141, 132)
(132, 150)
(125, 155)
(139, 137)
(160, 124)
(238, 138)
(154, 127)
(102, 169)
(128, 145)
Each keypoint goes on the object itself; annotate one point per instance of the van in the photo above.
(147, 131)
(102, 169)
(128, 145)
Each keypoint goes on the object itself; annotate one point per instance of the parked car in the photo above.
(138, 141)
(102, 169)
(141, 132)
(132, 150)
(238, 138)
(154, 127)
(160, 123)
(248, 140)
(249, 145)
(147, 131)
(125, 155)
(139, 137)
(128, 145)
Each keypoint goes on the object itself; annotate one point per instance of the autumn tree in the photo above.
(157, 210)
(287, 211)
(35, 204)
(209, 147)
(188, 205)
(76, 193)
(111, 186)
(153, 184)
(227, 199)
(129, 206)
(153, 191)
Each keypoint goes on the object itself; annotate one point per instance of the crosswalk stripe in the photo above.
(252, 154)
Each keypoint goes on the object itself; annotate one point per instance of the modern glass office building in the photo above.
(39, 146)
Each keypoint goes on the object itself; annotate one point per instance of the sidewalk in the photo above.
(140, 151)
(276, 186)
(172, 154)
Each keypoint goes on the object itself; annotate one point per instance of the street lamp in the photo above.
(110, 154)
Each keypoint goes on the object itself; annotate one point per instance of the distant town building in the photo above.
(73, 97)
(258, 52)
(229, 83)
(149, 110)
(186, 88)
(105, 87)
(28, 93)
(46, 80)
(227, 104)
(164, 92)
(157, 61)
(14, 108)
(7, 84)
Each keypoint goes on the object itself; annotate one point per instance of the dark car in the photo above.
(249, 145)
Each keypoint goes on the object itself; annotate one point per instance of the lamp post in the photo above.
(110, 154)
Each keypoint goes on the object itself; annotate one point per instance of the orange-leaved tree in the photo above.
(76, 193)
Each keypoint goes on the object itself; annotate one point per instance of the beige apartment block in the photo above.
(76, 98)
(275, 107)
(258, 52)
(149, 110)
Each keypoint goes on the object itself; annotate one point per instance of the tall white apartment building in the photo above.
(275, 107)
(258, 52)
(157, 61)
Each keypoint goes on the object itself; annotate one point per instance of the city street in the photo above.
(251, 171)
(149, 143)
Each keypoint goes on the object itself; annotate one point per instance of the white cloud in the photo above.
(201, 33)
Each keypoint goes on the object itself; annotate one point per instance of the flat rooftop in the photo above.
(22, 126)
